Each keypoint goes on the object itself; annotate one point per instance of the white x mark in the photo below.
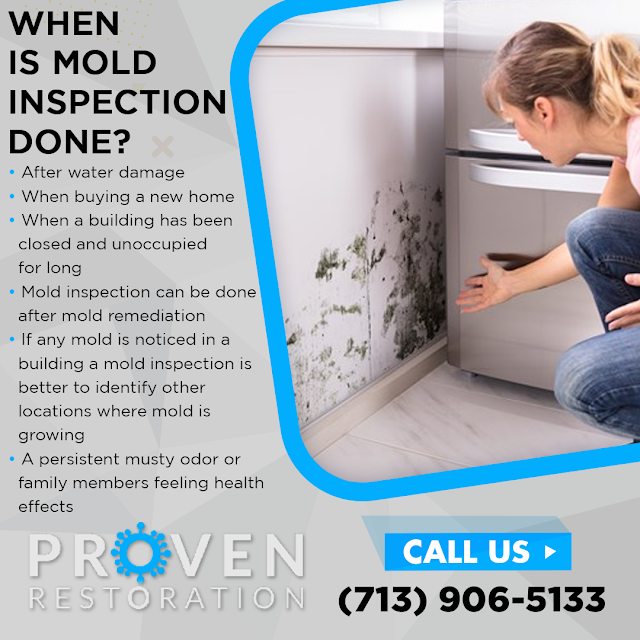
(163, 146)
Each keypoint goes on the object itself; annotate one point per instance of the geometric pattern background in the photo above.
(194, 43)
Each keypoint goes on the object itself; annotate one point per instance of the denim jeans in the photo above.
(598, 380)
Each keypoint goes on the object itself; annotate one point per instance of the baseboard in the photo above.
(324, 431)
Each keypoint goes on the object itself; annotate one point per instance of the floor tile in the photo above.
(357, 460)
(474, 429)
(452, 419)
(454, 377)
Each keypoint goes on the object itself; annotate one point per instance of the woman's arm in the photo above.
(619, 193)
(499, 285)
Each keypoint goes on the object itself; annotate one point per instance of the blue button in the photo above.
(477, 551)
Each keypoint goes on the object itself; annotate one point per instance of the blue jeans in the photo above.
(598, 380)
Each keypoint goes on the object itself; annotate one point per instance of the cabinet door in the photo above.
(522, 339)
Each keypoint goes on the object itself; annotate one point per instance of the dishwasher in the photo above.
(503, 200)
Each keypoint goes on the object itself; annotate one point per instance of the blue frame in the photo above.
(272, 310)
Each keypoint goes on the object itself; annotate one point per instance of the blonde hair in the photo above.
(557, 60)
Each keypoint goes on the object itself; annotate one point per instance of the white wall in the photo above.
(356, 17)
(352, 153)
(409, 15)
(412, 15)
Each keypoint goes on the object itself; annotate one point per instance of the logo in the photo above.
(155, 566)
(142, 554)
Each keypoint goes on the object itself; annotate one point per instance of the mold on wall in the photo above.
(352, 155)
(373, 301)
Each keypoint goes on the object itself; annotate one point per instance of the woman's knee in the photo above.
(576, 378)
(585, 232)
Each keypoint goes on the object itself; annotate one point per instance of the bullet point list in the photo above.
(12, 172)
(11, 458)
(10, 219)
(12, 196)
(11, 338)
(10, 290)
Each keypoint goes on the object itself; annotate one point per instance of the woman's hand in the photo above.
(629, 314)
(488, 290)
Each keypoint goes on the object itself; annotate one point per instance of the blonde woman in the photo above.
(567, 95)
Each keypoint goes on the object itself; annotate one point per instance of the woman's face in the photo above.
(540, 129)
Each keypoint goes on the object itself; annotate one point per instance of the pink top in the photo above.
(632, 160)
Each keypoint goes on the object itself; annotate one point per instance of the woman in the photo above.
(566, 95)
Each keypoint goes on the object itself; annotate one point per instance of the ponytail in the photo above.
(616, 78)
(557, 60)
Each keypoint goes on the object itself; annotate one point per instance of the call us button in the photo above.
(478, 551)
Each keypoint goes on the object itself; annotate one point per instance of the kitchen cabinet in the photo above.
(351, 145)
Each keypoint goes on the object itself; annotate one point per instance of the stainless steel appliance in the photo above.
(503, 200)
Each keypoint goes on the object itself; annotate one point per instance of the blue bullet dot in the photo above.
(11, 458)
(12, 338)
(10, 290)
(12, 196)
(10, 219)
(12, 172)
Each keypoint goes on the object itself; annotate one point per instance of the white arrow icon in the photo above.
(548, 551)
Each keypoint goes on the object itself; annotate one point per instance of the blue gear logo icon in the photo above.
(157, 563)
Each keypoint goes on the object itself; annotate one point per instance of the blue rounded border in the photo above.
(272, 310)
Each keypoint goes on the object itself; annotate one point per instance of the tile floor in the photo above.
(452, 419)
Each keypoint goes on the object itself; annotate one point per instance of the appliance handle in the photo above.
(507, 141)
(540, 180)
(499, 140)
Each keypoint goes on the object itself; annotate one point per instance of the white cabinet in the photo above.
(355, 17)
(352, 150)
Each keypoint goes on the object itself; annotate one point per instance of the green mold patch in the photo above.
(373, 300)
(329, 262)
(356, 350)
(388, 316)
(359, 246)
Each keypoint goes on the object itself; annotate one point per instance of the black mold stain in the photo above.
(361, 350)
(349, 349)
(329, 261)
(396, 261)
(377, 257)
(354, 349)
(358, 248)
(335, 308)
(341, 309)
(387, 319)
(416, 304)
